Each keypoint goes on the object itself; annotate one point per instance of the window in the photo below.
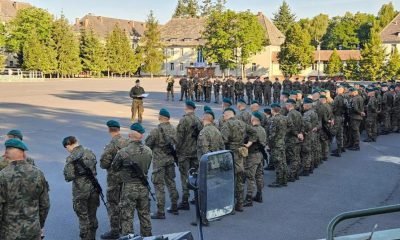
(181, 66)
(393, 48)
(253, 67)
(172, 51)
(172, 67)
(182, 51)
(11, 63)
(200, 57)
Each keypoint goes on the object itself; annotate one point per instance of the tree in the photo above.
(386, 14)
(180, 9)
(153, 55)
(373, 56)
(335, 65)
(284, 18)
(186, 8)
(209, 6)
(67, 48)
(351, 70)
(92, 52)
(392, 68)
(318, 27)
(2, 45)
(296, 52)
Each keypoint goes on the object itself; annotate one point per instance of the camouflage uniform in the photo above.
(84, 196)
(170, 87)
(293, 144)
(217, 87)
(339, 108)
(276, 141)
(24, 201)
(258, 90)
(207, 90)
(249, 91)
(163, 164)
(287, 85)
(114, 184)
(310, 122)
(296, 85)
(277, 91)
(325, 112)
(209, 140)
(230, 83)
(187, 132)
(317, 148)
(396, 113)
(239, 90)
(244, 116)
(190, 89)
(137, 103)
(387, 106)
(371, 125)
(135, 195)
(4, 162)
(267, 86)
(183, 82)
(356, 108)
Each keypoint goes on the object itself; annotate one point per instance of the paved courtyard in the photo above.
(48, 111)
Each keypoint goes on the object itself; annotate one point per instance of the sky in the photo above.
(163, 9)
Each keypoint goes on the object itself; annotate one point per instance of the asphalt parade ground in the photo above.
(48, 111)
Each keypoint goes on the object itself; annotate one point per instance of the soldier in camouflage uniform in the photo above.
(371, 125)
(230, 84)
(17, 134)
(396, 110)
(190, 89)
(267, 87)
(183, 82)
(339, 109)
(208, 88)
(356, 116)
(170, 87)
(188, 130)
(239, 89)
(24, 197)
(114, 184)
(210, 138)
(277, 86)
(387, 106)
(137, 102)
(310, 127)
(258, 90)
(226, 103)
(296, 85)
(249, 91)
(217, 86)
(233, 133)
(84, 195)
(324, 111)
(244, 115)
(253, 164)
(161, 141)
(276, 143)
(287, 85)
(135, 195)
(316, 147)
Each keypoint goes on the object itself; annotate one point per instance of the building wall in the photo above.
(389, 48)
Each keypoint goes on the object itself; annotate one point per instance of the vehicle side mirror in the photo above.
(216, 182)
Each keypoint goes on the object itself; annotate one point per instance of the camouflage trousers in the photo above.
(254, 173)
(114, 187)
(216, 96)
(135, 196)
(277, 96)
(267, 97)
(186, 163)
(239, 177)
(137, 108)
(258, 96)
(325, 144)
(306, 152)
(316, 149)
(293, 157)
(278, 157)
(170, 93)
(371, 126)
(387, 123)
(396, 120)
(85, 209)
(339, 131)
(249, 97)
(161, 177)
(354, 132)
(184, 92)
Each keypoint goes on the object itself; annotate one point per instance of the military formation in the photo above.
(292, 136)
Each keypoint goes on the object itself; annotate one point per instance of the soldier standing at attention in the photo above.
(24, 197)
(84, 195)
(326, 115)
(387, 106)
(276, 143)
(170, 87)
(371, 125)
(183, 82)
(239, 89)
(14, 134)
(396, 110)
(356, 116)
(296, 85)
(287, 85)
(135, 195)
(267, 86)
(210, 138)
(258, 90)
(249, 91)
(310, 127)
(244, 115)
(277, 86)
(208, 88)
(190, 90)
(217, 86)
(231, 88)
(339, 109)
(188, 130)
(233, 133)
(226, 103)
(161, 141)
(114, 184)
(254, 162)
(137, 104)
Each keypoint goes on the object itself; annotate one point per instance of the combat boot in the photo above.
(110, 235)
(258, 197)
(368, 140)
(173, 209)
(274, 185)
(269, 167)
(336, 153)
(249, 201)
(355, 148)
(184, 205)
(305, 173)
(157, 215)
(343, 149)
(239, 207)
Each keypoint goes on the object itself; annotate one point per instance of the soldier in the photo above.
(208, 88)
(196, 83)
(244, 115)
(239, 89)
(310, 127)
(253, 164)
(137, 104)
(339, 109)
(224, 88)
(199, 92)
(294, 137)
(226, 103)
(230, 83)
(190, 89)
(210, 138)
(396, 110)
(249, 91)
(135, 195)
(296, 85)
(372, 116)
(84, 195)
(277, 90)
(188, 130)
(309, 85)
(304, 87)
(217, 87)
(287, 85)
(316, 147)
(161, 141)
(276, 143)
(114, 184)
(14, 134)
(170, 87)
(183, 82)
(24, 197)
(258, 90)
(316, 84)
(387, 106)
(267, 87)
(356, 116)
(233, 133)
(284, 98)
(325, 113)
(266, 125)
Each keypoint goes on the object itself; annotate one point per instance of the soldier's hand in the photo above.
(300, 136)
(362, 114)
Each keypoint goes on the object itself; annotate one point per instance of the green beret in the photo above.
(275, 105)
(164, 112)
(206, 108)
(16, 133)
(267, 110)
(257, 115)
(340, 86)
(113, 123)
(293, 92)
(391, 87)
(352, 89)
(291, 101)
(210, 113)
(315, 91)
(242, 101)
(228, 101)
(308, 101)
(369, 89)
(299, 92)
(16, 143)
(254, 102)
(284, 93)
(137, 127)
(384, 85)
(191, 104)
(322, 96)
(230, 109)
(137, 81)
(377, 89)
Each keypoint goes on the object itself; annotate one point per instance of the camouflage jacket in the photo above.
(110, 150)
(158, 141)
(81, 185)
(261, 139)
(24, 201)
(287, 85)
(135, 152)
(277, 131)
(356, 107)
(387, 101)
(187, 132)
(372, 107)
(294, 126)
(234, 133)
(249, 87)
(277, 87)
(339, 106)
(258, 86)
(310, 121)
(296, 85)
(210, 140)
(396, 103)
(267, 85)
(4, 162)
(244, 116)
